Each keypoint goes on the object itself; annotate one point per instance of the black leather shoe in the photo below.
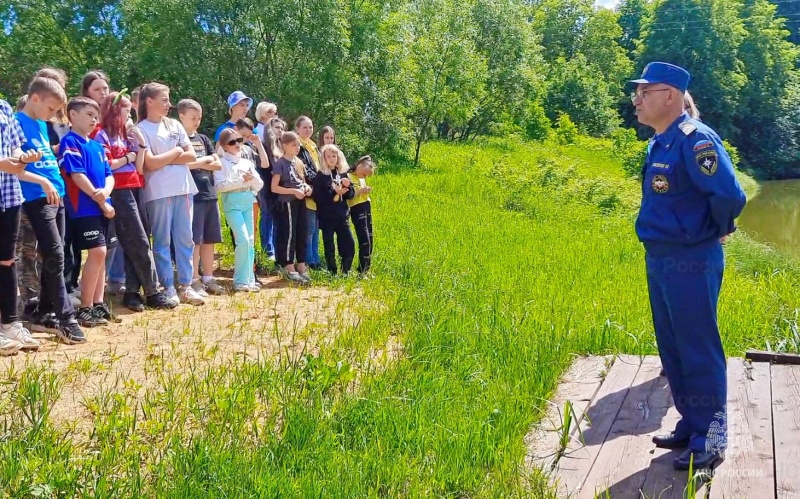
(701, 460)
(670, 441)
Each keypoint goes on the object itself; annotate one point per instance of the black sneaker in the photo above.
(133, 301)
(43, 322)
(29, 309)
(69, 331)
(102, 311)
(159, 301)
(88, 318)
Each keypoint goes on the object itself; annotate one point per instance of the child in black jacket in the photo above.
(331, 190)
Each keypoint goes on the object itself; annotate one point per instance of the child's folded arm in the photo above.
(83, 183)
(224, 181)
(154, 162)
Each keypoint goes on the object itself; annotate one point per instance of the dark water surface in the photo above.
(773, 216)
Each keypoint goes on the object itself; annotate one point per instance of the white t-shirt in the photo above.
(172, 180)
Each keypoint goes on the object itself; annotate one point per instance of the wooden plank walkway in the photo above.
(622, 402)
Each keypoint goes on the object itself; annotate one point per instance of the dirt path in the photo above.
(277, 321)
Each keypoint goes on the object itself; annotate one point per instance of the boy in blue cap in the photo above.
(238, 106)
(690, 199)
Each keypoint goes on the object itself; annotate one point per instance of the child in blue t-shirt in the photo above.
(45, 210)
(89, 186)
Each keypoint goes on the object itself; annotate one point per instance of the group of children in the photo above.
(113, 175)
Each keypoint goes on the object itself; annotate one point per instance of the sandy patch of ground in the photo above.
(279, 321)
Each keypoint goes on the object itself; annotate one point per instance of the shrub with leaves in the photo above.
(630, 151)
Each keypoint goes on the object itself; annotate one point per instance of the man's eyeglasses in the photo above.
(235, 141)
(641, 94)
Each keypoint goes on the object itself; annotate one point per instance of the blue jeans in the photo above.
(266, 230)
(115, 262)
(171, 221)
(238, 209)
(312, 238)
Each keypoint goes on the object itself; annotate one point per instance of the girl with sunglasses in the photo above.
(237, 183)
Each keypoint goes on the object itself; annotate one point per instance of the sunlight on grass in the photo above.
(495, 263)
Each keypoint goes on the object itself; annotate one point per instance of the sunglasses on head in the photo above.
(235, 141)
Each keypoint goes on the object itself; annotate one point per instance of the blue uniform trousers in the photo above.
(684, 289)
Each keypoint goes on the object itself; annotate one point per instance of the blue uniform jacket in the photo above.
(690, 194)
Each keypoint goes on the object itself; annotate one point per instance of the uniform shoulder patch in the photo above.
(687, 127)
(706, 160)
(702, 144)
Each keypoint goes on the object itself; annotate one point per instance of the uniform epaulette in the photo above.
(687, 127)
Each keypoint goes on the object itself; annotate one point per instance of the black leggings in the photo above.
(9, 228)
(344, 238)
(361, 214)
(292, 228)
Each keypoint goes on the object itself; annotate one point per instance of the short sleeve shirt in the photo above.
(290, 179)
(36, 138)
(171, 180)
(79, 155)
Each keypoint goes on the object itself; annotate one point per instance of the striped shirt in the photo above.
(11, 138)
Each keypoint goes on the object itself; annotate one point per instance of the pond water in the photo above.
(773, 216)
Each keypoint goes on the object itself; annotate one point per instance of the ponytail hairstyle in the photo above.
(689, 106)
(149, 91)
(111, 113)
(364, 160)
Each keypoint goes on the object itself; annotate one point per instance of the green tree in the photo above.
(508, 45)
(769, 59)
(702, 36)
(445, 74)
(582, 91)
(632, 16)
(790, 11)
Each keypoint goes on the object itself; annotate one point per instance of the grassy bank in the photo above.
(495, 263)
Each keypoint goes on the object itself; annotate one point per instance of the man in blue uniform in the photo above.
(690, 199)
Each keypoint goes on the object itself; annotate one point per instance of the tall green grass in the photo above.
(496, 263)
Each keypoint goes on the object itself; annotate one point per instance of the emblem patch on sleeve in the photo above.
(703, 144)
(707, 161)
(660, 184)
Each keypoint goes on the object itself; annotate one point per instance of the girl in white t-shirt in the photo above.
(168, 191)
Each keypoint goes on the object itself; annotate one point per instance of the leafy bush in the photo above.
(630, 151)
(537, 125)
(566, 132)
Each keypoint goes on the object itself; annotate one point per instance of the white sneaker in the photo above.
(255, 285)
(172, 296)
(244, 288)
(16, 332)
(8, 346)
(190, 296)
(199, 288)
